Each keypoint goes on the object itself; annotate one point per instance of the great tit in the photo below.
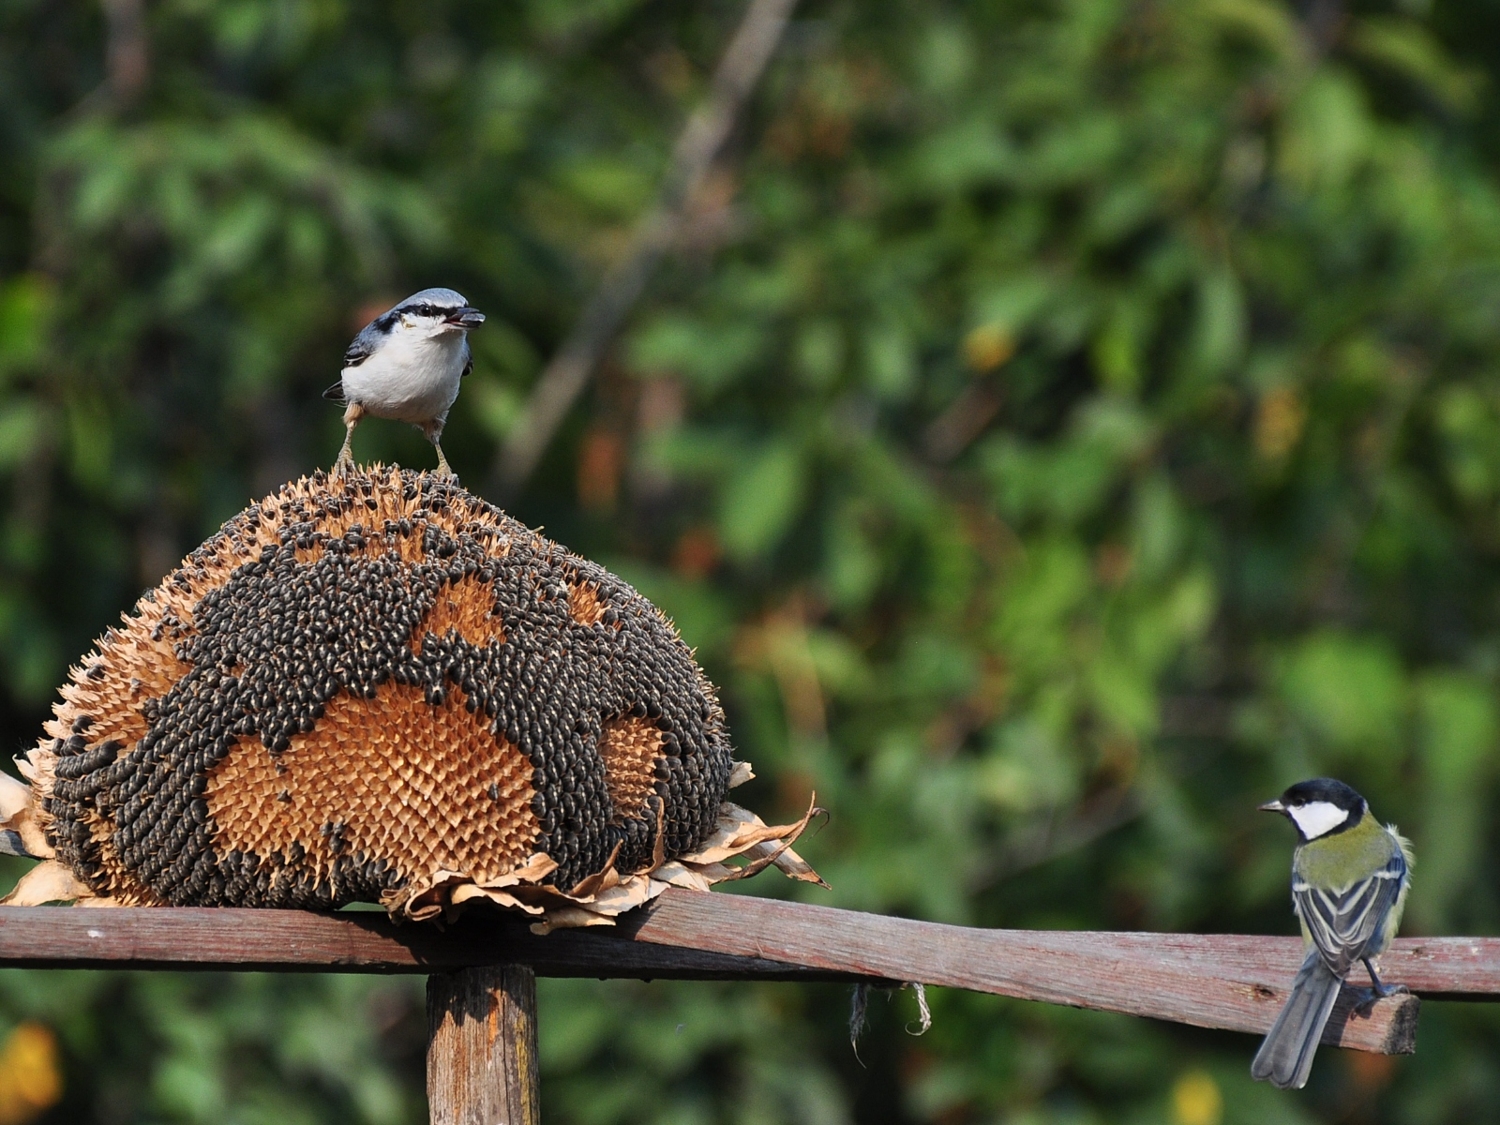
(1350, 875)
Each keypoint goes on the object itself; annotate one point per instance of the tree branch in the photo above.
(565, 377)
(125, 56)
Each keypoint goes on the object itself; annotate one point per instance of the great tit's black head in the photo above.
(1319, 807)
(437, 310)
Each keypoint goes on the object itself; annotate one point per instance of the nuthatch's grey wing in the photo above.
(1344, 924)
(468, 359)
(363, 346)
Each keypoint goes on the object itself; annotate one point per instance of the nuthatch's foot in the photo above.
(345, 460)
(433, 432)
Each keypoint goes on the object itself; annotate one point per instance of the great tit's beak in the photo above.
(465, 317)
(1271, 806)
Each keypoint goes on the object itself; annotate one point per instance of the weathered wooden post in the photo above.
(481, 1047)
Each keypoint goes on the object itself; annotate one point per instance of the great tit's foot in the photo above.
(1379, 989)
(1369, 997)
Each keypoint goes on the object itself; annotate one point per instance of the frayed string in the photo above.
(924, 1013)
(859, 1006)
(859, 1003)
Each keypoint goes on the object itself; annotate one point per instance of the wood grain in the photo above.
(1228, 981)
(198, 938)
(1232, 982)
(481, 1047)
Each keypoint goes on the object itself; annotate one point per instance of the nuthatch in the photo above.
(406, 365)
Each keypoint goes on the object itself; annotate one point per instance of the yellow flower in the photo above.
(988, 347)
(1279, 422)
(30, 1080)
(1196, 1100)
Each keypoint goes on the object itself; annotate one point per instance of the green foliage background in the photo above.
(1064, 424)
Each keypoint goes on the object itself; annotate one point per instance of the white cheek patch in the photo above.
(1317, 817)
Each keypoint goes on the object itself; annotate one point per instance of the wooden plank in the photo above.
(481, 1047)
(1227, 981)
(1233, 982)
(1445, 968)
(204, 939)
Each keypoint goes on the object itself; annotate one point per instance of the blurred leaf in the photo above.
(23, 425)
(674, 345)
(27, 306)
(1349, 689)
(1458, 728)
(1326, 133)
(1412, 51)
(760, 501)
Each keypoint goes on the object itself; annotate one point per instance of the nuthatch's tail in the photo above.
(1286, 1056)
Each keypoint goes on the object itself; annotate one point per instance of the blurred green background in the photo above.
(1063, 424)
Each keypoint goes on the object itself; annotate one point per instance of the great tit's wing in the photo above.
(1344, 923)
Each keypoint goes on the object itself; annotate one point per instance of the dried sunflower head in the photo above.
(379, 687)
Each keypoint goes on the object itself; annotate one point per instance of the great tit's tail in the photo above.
(1286, 1056)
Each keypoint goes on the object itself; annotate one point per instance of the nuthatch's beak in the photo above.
(465, 318)
(1271, 806)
